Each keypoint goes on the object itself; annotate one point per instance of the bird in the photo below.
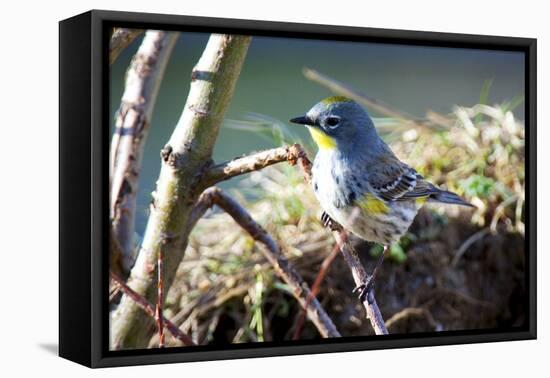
(359, 182)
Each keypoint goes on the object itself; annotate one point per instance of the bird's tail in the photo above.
(445, 196)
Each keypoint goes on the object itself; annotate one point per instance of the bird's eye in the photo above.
(332, 122)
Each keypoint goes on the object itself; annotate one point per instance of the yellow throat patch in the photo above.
(372, 205)
(322, 140)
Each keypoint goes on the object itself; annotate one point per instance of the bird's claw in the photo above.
(365, 288)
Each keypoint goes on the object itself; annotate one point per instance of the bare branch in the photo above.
(120, 39)
(245, 164)
(150, 310)
(293, 154)
(132, 122)
(359, 276)
(467, 244)
(271, 251)
(412, 312)
(323, 270)
(184, 160)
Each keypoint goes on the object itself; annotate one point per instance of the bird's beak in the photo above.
(303, 120)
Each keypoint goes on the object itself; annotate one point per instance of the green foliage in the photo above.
(396, 253)
(257, 322)
(483, 98)
(478, 186)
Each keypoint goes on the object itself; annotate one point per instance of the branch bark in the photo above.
(245, 164)
(359, 275)
(271, 251)
(150, 310)
(132, 122)
(184, 159)
(120, 39)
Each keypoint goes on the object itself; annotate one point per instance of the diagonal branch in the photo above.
(270, 249)
(150, 310)
(359, 276)
(120, 39)
(433, 120)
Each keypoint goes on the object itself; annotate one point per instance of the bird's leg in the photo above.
(368, 283)
(329, 222)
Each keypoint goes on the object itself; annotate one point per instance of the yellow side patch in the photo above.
(372, 205)
(421, 201)
(322, 140)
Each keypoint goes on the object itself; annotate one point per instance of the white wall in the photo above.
(28, 152)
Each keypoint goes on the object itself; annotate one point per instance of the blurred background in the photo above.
(455, 269)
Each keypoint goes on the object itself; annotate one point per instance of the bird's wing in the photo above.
(393, 180)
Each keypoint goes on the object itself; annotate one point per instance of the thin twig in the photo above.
(323, 270)
(271, 251)
(120, 39)
(412, 311)
(467, 244)
(435, 119)
(359, 276)
(150, 310)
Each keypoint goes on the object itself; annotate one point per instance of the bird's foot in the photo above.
(365, 288)
(329, 222)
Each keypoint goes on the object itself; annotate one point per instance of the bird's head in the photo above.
(337, 122)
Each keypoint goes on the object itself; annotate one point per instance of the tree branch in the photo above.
(245, 164)
(271, 251)
(184, 159)
(150, 310)
(293, 154)
(132, 122)
(359, 276)
(120, 39)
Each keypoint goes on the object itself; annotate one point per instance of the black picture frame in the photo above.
(83, 196)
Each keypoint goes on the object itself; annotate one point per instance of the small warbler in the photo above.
(358, 180)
